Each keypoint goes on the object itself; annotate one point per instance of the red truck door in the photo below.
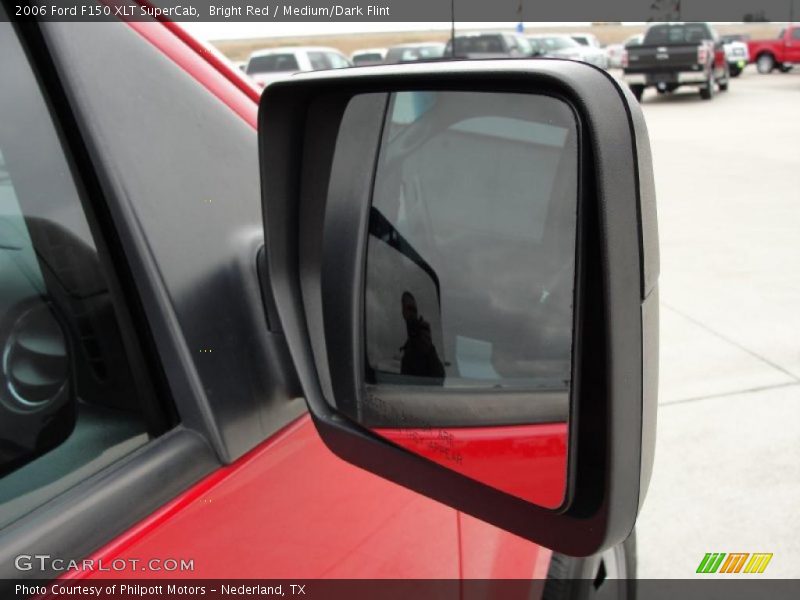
(793, 45)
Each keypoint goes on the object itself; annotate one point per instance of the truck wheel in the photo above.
(723, 84)
(765, 63)
(637, 90)
(611, 574)
(707, 91)
(735, 71)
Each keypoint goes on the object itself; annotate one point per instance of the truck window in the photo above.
(272, 63)
(480, 44)
(690, 33)
(69, 401)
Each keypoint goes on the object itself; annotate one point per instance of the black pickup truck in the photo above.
(677, 54)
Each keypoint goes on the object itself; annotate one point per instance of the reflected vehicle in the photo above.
(414, 52)
(563, 46)
(368, 56)
(490, 45)
(442, 307)
(266, 66)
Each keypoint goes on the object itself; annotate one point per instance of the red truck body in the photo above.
(780, 53)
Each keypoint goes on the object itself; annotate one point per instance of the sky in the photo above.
(244, 30)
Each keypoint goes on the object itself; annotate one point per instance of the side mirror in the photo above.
(464, 260)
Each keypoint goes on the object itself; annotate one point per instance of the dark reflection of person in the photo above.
(419, 354)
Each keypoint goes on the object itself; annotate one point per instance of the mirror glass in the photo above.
(469, 286)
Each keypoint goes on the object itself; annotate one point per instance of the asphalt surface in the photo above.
(727, 467)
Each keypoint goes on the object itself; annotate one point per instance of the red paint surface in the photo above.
(785, 49)
(290, 508)
(491, 553)
(527, 461)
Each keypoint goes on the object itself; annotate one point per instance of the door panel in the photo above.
(291, 509)
(793, 46)
(491, 553)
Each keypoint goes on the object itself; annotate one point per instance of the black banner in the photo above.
(387, 11)
(734, 587)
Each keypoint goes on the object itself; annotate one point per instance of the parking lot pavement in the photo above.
(727, 468)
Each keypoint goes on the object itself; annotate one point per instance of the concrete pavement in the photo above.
(727, 470)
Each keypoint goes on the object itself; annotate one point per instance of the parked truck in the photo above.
(780, 53)
(672, 55)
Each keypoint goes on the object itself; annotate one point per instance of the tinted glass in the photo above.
(480, 44)
(69, 402)
(367, 59)
(677, 34)
(272, 63)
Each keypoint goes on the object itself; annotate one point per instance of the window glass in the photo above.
(68, 401)
(480, 44)
(559, 42)
(272, 63)
(689, 33)
(319, 61)
(368, 58)
(524, 45)
(470, 263)
(337, 61)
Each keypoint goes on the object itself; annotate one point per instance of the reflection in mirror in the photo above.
(470, 280)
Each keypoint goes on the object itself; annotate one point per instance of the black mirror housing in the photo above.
(316, 228)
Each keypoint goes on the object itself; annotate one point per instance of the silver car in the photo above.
(563, 46)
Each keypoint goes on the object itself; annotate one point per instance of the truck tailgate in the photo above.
(662, 59)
